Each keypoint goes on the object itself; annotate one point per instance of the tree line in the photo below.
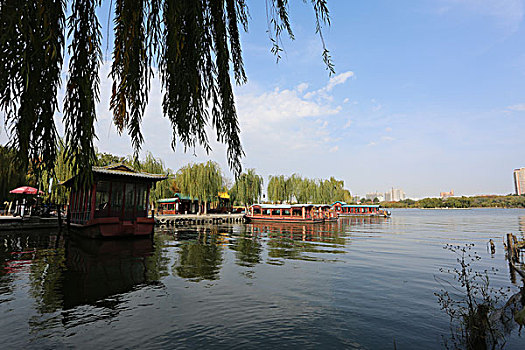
(491, 201)
(303, 190)
(201, 181)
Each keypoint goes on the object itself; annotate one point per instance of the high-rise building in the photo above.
(395, 195)
(519, 181)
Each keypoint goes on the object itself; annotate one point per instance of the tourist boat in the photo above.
(327, 212)
(343, 209)
(115, 205)
(304, 213)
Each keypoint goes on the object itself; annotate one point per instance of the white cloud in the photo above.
(348, 124)
(301, 87)
(334, 149)
(338, 79)
(346, 100)
(520, 107)
(332, 82)
(268, 109)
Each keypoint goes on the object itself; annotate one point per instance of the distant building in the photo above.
(395, 195)
(519, 181)
(372, 195)
(444, 195)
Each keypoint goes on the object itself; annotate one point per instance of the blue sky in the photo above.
(428, 96)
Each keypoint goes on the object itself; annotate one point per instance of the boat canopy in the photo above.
(361, 206)
(283, 206)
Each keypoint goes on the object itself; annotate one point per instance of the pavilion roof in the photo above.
(122, 170)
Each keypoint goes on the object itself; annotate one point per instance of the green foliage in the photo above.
(202, 181)
(82, 88)
(10, 175)
(468, 299)
(195, 44)
(510, 201)
(282, 189)
(31, 48)
(200, 259)
(152, 165)
(247, 188)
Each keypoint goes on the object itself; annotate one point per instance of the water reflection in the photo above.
(23, 252)
(200, 253)
(97, 269)
(300, 241)
(248, 247)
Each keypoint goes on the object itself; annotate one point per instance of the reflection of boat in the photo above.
(306, 213)
(116, 204)
(97, 269)
(344, 209)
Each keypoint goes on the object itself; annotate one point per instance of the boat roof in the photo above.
(361, 206)
(342, 203)
(121, 170)
(282, 206)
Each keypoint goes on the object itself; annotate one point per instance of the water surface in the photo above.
(363, 283)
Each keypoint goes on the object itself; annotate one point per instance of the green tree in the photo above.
(202, 181)
(279, 189)
(10, 175)
(247, 188)
(195, 44)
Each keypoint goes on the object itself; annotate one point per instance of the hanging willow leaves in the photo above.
(82, 87)
(200, 181)
(194, 44)
(130, 69)
(31, 46)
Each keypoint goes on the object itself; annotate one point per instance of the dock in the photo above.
(196, 219)
(9, 223)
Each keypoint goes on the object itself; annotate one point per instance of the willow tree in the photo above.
(279, 189)
(201, 181)
(247, 188)
(304, 190)
(10, 176)
(194, 44)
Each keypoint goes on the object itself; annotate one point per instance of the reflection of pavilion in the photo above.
(97, 269)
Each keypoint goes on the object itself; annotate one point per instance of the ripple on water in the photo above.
(360, 283)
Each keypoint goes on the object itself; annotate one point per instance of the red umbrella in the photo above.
(26, 190)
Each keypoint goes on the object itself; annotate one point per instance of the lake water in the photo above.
(357, 283)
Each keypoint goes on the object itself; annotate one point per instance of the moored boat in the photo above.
(304, 213)
(327, 212)
(115, 205)
(343, 209)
